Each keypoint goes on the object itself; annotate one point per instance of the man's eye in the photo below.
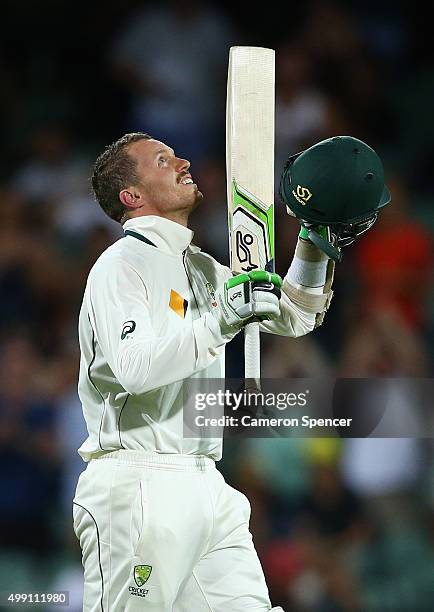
(162, 160)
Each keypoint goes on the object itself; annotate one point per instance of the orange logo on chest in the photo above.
(178, 304)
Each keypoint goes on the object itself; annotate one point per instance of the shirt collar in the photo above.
(167, 235)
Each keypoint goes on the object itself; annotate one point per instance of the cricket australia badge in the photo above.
(141, 574)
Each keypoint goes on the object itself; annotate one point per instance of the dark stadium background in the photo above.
(340, 525)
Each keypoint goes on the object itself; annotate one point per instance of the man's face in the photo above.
(165, 182)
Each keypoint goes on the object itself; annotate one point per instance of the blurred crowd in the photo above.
(340, 524)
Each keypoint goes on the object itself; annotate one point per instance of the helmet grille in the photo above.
(347, 233)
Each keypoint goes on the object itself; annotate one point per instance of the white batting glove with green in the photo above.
(247, 298)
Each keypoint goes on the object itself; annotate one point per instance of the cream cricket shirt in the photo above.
(145, 326)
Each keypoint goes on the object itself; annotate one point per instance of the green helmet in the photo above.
(336, 184)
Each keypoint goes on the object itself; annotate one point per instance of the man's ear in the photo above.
(130, 198)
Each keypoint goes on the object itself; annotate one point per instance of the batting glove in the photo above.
(247, 298)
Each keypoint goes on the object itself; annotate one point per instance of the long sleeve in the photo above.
(294, 320)
(119, 309)
(306, 293)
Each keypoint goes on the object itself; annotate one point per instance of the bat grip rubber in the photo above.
(252, 355)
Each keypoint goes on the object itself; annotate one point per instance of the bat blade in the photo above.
(250, 171)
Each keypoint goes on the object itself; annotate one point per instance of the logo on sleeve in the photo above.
(211, 294)
(128, 328)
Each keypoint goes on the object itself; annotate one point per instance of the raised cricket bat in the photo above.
(250, 174)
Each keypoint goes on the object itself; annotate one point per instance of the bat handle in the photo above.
(252, 356)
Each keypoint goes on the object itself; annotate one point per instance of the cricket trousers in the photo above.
(165, 533)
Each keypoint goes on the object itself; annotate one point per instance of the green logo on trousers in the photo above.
(141, 574)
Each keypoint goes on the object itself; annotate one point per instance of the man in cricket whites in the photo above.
(159, 528)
